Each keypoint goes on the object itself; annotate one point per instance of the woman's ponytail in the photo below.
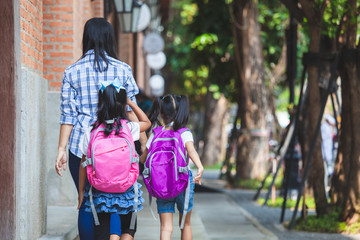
(182, 115)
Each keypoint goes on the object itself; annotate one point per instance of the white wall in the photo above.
(61, 190)
(31, 99)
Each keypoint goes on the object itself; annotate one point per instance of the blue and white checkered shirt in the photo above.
(79, 93)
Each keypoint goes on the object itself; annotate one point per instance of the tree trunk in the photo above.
(314, 15)
(346, 180)
(317, 164)
(252, 154)
(214, 130)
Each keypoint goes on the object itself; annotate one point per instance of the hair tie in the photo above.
(110, 121)
(116, 83)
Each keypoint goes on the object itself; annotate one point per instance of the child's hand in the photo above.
(199, 175)
(128, 101)
(80, 198)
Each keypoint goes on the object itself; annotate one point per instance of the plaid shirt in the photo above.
(79, 93)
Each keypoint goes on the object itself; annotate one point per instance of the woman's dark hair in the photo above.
(173, 108)
(111, 106)
(99, 35)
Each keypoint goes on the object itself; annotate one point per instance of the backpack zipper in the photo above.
(176, 174)
(93, 159)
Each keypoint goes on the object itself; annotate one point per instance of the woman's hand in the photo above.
(80, 198)
(61, 161)
(199, 175)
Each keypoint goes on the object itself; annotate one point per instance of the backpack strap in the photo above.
(182, 130)
(87, 162)
(134, 213)
(135, 156)
(93, 210)
(157, 130)
(186, 205)
(151, 210)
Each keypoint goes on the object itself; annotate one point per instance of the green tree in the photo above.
(201, 59)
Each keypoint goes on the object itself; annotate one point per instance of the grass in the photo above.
(255, 183)
(310, 202)
(216, 166)
(328, 223)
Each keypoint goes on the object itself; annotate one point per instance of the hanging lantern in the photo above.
(128, 12)
(154, 8)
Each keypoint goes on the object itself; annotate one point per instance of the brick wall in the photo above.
(62, 34)
(31, 34)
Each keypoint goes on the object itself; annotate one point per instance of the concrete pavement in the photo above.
(215, 216)
(222, 214)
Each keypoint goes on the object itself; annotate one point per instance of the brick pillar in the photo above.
(62, 34)
(57, 39)
(31, 34)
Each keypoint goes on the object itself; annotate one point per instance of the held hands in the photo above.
(200, 172)
(61, 161)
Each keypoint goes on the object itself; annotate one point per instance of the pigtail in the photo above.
(182, 115)
(154, 112)
(109, 128)
(111, 109)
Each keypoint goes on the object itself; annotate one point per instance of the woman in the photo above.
(79, 99)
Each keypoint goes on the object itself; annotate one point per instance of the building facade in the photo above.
(39, 39)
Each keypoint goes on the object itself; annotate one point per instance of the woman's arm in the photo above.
(144, 122)
(194, 156)
(82, 182)
(61, 158)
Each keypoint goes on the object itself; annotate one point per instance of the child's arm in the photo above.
(144, 121)
(82, 182)
(143, 156)
(194, 156)
(143, 138)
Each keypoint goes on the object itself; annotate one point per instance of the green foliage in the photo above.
(328, 223)
(290, 203)
(274, 19)
(200, 49)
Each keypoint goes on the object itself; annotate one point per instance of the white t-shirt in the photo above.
(84, 141)
(185, 136)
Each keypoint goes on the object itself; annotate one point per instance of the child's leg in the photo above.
(186, 233)
(166, 209)
(115, 227)
(126, 232)
(166, 220)
(85, 219)
(102, 231)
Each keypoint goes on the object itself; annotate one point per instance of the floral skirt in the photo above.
(120, 203)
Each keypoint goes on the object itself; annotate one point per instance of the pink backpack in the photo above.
(112, 162)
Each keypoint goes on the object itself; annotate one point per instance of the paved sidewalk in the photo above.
(215, 216)
(149, 229)
(221, 214)
(267, 217)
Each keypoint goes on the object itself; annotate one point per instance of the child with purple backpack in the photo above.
(112, 164)
(167, 174)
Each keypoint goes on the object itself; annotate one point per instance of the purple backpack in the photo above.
(166, 172)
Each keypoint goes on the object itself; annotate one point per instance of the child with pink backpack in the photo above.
(111, 163)
(167, 174)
